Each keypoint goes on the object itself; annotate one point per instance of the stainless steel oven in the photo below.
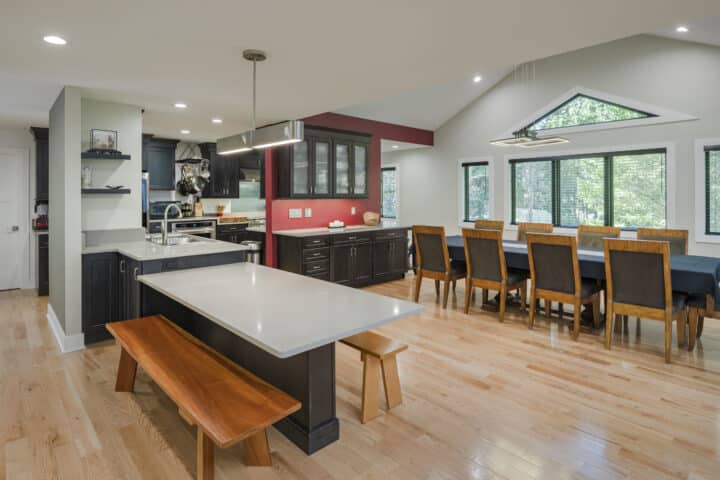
(200, 228)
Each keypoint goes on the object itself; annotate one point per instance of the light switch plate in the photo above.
(308, 212)
(295, 212)
(353, 210)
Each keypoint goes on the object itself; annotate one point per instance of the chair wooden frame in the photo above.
(615, 310)
(549, 296)
(447, 276)
(490, 225)
(696, 320)
(527, 227)
(654, 233)
(502, 286)
(613, 232)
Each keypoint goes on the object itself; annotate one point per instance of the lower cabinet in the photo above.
(111, 291)
(43, 263)
(352, 259)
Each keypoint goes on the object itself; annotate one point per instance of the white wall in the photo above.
(104, 212)
(677, 75)
(22, 139)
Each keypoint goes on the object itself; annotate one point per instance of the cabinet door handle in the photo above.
(122, 266)
(135, 273)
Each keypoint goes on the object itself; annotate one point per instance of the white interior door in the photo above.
(13, 221)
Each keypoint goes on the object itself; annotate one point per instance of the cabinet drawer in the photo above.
(320, 275)
(231, 228)
(311, 268)
(316, 254)
(390, 234)
(345, 238)
(315, 242)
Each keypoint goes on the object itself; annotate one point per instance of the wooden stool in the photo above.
(376, 352)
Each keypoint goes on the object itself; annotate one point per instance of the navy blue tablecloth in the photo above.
(690, 273)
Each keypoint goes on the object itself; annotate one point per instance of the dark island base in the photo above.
(309, 377)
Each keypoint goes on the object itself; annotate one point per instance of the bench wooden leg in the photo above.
(391, 381)
(126, 373)
(371, 383)
(257, 450)
(205, 457)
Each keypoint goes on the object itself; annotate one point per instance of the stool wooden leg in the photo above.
(437, 289)
(391, 381)
(485, 296)
(257, 450)
(205, 457)
(126, 373)
(693, 321)
(446, 292)
(681, 326)
(371, 384)
(548, 306)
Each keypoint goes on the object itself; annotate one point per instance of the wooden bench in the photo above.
(376, 352)
(227, 403)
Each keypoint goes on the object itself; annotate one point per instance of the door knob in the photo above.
(15, 228)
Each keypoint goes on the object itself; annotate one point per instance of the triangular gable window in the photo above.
(582, 110)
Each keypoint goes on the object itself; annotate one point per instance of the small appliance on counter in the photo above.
(336, 224)
(157, 210)
(371, 218)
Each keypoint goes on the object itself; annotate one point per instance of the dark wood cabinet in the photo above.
(234, 232)
(129, 287)
(42, 158)
(224, 173)
(326, 164)
(353, 259)
(100, 294)
(43, 263)
(158, 159)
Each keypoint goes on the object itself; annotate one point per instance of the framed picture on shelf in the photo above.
(103, 139)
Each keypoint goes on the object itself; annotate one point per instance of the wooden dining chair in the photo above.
(490, 224)
(591, 237)
(524, 228)
(433, 260)
(639, 284)
(555, 276)
(486, 269)
(678, 239)
(699, 307)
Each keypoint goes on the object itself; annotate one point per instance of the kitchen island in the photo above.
(278, 325)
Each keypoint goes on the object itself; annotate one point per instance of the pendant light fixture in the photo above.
(283, 133)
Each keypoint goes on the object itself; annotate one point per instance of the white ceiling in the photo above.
(323, 55)
(393, 146)
(701, 30)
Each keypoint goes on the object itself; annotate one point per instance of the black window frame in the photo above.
(382, 213)
(466, 184)
(608, 186)
(708, 149)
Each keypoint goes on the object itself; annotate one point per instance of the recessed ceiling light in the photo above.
(682, 29)
(54, 39)
(477, 78)
(185, 132)
(395, 146)
(180, 105)
(217, 120)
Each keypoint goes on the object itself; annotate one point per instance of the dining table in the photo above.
(691, 274)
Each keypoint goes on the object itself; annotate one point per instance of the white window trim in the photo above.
(397, 191)
(663, 115)
(461, 188)
(700, 204)
(670, 173)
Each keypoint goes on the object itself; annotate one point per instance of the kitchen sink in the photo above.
(176, 240)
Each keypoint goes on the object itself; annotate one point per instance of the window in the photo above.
(389, 193)
(712, 190)
(476, 196)
(622, 189)
(585, 110)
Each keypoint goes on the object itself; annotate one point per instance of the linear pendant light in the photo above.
(528, 139)
(283, 133)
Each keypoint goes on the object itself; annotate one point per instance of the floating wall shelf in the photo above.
(104, 156)
(106, 191)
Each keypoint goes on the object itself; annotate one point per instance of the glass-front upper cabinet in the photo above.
(321, 167)
(342, 169)
(360, 170)
(300, 169)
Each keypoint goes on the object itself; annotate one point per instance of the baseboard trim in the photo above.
(67, 343)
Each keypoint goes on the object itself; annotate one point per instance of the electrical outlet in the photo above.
(295, 212)
(353, 210)
(308, 212)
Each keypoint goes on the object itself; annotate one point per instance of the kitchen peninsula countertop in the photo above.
(310, 314)
(143, 250)
(312, 232)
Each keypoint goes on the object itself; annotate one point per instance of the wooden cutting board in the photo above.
(231, 219)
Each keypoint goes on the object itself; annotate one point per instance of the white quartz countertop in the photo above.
(280, 312)
(259, 229)
(144, 250)
(311, 232)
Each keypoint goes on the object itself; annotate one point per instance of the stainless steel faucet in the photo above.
(164, 225)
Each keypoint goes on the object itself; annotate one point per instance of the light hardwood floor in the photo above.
(480, 400)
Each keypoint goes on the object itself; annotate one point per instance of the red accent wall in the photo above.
(325, 210)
